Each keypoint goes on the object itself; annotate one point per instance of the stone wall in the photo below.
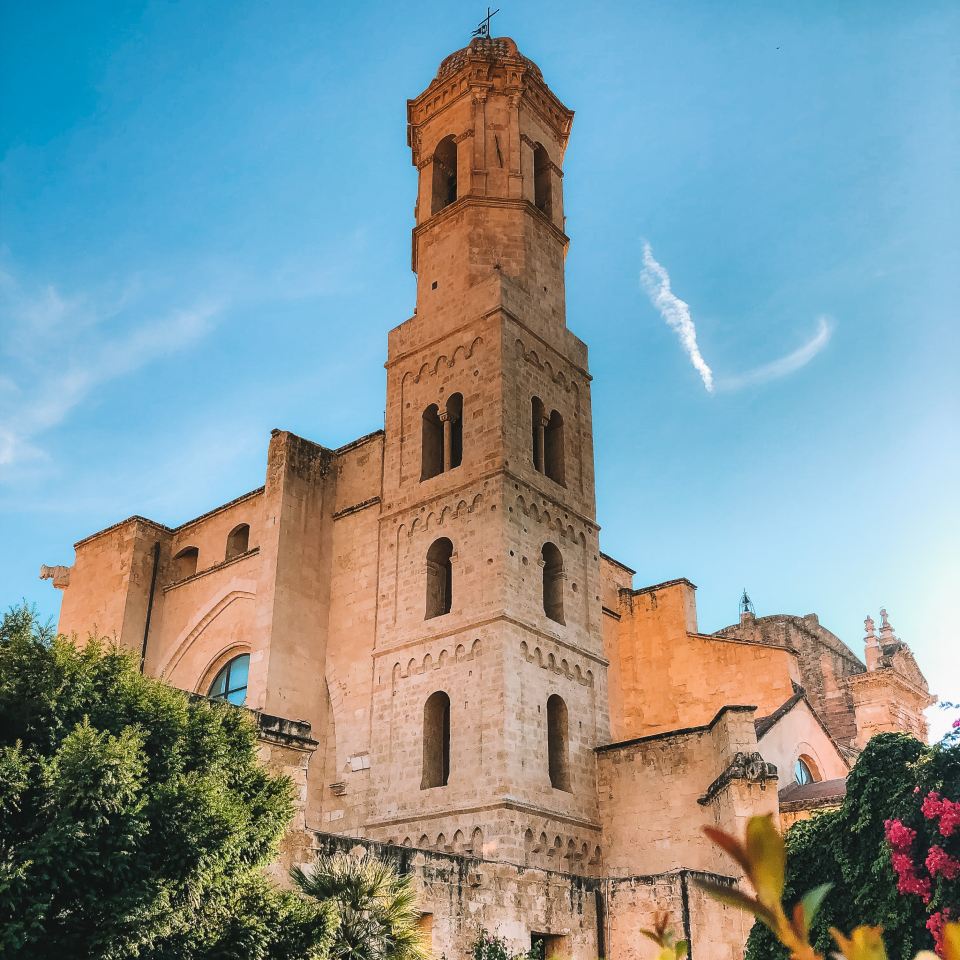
(584, 917)
(824, 660)
(661, 663)
(285, 748)
(657, 793)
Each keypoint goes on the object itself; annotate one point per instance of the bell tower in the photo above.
(489, 676)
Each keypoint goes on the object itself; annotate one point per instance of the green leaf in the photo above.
(734, 897)
(812, 900)
(767, 856)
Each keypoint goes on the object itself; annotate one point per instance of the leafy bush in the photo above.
(134, 820)
(488, 946)
(374, 908)
(762, 856)
(895, 780)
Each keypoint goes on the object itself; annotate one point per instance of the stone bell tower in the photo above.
(489, 676)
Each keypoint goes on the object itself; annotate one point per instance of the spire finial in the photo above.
(746, 605)
(483, 28)
(868, 626)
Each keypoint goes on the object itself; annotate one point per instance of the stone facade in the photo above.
(471, 687)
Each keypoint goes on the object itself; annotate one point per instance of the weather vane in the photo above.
(483, 28)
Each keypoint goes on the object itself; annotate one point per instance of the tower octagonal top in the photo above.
(486, 66)
(483, 50)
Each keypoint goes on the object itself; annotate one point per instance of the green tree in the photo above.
(135, 820)
(374, 907)
(849, 848)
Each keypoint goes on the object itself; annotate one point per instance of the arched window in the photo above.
(552, 582)
(230, 684)
(439, 578)
(238, 540)
(436, 741)
(557, 743)
(553, 460)
(185, 563)
(455, 431)
(805, 771)
(431, 447)
(538, 421)
(444, 174)
(542, 182)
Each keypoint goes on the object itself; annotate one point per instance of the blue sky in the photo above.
(205, 216)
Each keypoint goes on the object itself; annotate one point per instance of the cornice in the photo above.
(474, 625)
(508, 803)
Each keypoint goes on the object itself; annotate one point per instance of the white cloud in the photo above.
(58, 349)
(656, 281)
(784, 365)
(676, 312)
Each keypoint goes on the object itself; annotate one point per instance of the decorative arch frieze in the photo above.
(444, 514)
(428, 662)
(565, 852)
(559, 377)
(550, 518)
(572, 671)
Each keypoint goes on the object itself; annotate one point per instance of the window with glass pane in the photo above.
(802, 773)
(230, 684)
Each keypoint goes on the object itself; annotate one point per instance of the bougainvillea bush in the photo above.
(891, 852)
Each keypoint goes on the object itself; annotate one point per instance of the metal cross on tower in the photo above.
(483, 28)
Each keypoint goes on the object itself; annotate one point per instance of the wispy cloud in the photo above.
(58, 349)
(785, 365)
(676, 312)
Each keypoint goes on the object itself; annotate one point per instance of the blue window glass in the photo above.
(802, 772)
(230, 684)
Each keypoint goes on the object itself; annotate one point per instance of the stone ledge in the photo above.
(668, 734)
(287, 733)
(252, 552)
(356, 507)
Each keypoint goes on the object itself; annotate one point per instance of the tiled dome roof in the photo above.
(492, 48)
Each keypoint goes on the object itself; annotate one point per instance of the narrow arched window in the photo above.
(552, 582)
(238, 540)
(436, 741)
(230, 684)
(805, 771)
(444, 174)
(542, 182)
(431, 447)
(454, 431)
(557, 743)
(439, 578)
(538, 421)
(185, 563)
(553, 458)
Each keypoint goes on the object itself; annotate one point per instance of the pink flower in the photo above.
(949, 817)
(899, 836)
(935, 807)
(940, 862)
(932, 805)
(956, 723)
(935, 926)
(916, 789)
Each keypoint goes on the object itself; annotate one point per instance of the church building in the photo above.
(423, 622)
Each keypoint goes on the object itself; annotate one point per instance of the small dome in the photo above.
(484, 48)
